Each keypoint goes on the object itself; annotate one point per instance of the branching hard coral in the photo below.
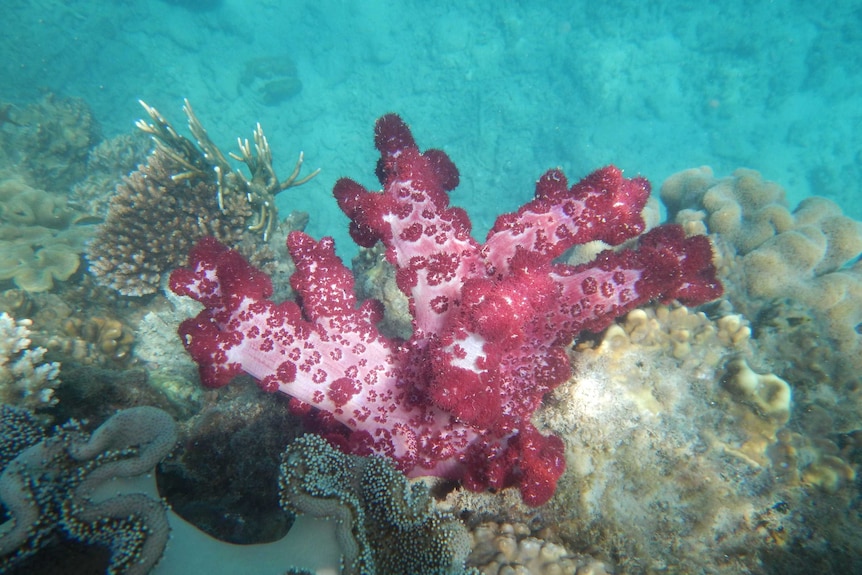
(183, 194)
(259, 191)
(25, 379)
(49, 482)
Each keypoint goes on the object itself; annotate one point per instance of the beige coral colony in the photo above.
(721, 439)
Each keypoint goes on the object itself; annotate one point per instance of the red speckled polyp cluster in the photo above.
(491, 322)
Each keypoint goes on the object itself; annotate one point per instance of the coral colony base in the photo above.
(492, 322)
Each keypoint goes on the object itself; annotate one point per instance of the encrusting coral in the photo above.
(183, 193)
(26, 380)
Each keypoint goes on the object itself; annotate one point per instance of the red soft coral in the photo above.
(491, 322)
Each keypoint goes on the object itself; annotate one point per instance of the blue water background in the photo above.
(507, 89)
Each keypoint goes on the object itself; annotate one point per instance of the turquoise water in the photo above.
(507, 89)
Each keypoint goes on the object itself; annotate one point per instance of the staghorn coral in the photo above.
(259, 191)
(26, 379)
(182, 194)
(49, 482)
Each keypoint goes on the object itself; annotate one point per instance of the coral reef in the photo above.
(375, 279)
(49, 482)
(67, 486)
(26, 380)
(184, 193)
(682, 458)
(223, 476)
(79, 325)
(775, 252)
(43, 150)
(491, 321)
(797, 277)
(674, 463)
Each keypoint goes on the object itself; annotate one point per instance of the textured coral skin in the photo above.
(492, 322)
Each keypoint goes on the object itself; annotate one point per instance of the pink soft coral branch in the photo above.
(492, 322)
